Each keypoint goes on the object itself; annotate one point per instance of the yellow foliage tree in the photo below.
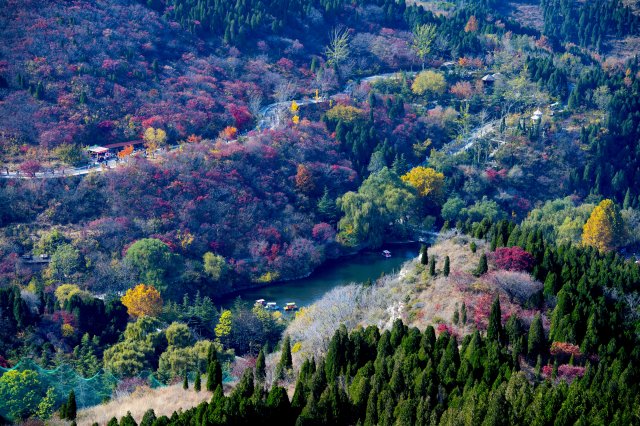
(154, 139)
(346, 113)
(223, 328)
(429, 82)
(294, 107)
(604, 230)
(142, 300)
(427, 181)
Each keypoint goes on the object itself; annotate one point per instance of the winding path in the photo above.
(269, 119)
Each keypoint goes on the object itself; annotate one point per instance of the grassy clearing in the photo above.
(164, 401)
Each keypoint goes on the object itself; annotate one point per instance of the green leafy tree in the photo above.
(46, 405)
(20, 393)
(423, 37)
(215, 266)
(153, 260)
(383, 204)
(65, 261)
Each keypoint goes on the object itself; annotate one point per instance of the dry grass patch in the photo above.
(164, 401)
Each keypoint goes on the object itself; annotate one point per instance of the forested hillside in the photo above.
(176, 174)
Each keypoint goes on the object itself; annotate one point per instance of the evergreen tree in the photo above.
(463, 313)
(185, 381)
(494, 328)
(445, 269)
(128, 420)
(286, 361)
(327, 208)
(214, 375)
(536, 341)
(432, 266)
(197, 384)
(483, 266)
(71, 406)
(424, 254)
(149, 418)
(260, 367)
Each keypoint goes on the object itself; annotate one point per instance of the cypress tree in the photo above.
(473, 246)
(463, 313)
(128, 420)
(536, 341)
(214, 375)
(185, 381)
(424, 255)
(445, 270)
(197, 384)
(148, 418)
(286, 361)
(71, 406)
(494, 329)
(432, 266)
(483, 266)
(260, 367)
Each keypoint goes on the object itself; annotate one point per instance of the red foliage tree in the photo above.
(513, 259)
(30, 167)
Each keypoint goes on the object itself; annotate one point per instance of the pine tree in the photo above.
(432, 266)
(483, 266)
(197, 384)
(445, 270)
(494, 328)
(327, 207)
(473, 246)
(185, 381)
(463, 313)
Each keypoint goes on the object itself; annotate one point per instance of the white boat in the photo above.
(272, 306)
(386, 253)
(260, 302)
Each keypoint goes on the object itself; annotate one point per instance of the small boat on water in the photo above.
(261, 302)
(386, 253)
(291, 306)
(271, 306)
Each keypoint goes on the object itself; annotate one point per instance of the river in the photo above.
(356, 268)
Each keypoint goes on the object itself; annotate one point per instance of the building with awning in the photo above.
(97, 151)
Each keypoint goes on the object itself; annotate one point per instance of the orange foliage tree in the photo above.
(472, 25)
(304, 180)
(126, 151)
(230, 132)
(142, 300)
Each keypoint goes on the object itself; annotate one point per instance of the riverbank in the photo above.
(353, 268)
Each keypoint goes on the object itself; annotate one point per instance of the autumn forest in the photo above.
(160, 160)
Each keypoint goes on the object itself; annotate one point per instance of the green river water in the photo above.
(357, 268)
